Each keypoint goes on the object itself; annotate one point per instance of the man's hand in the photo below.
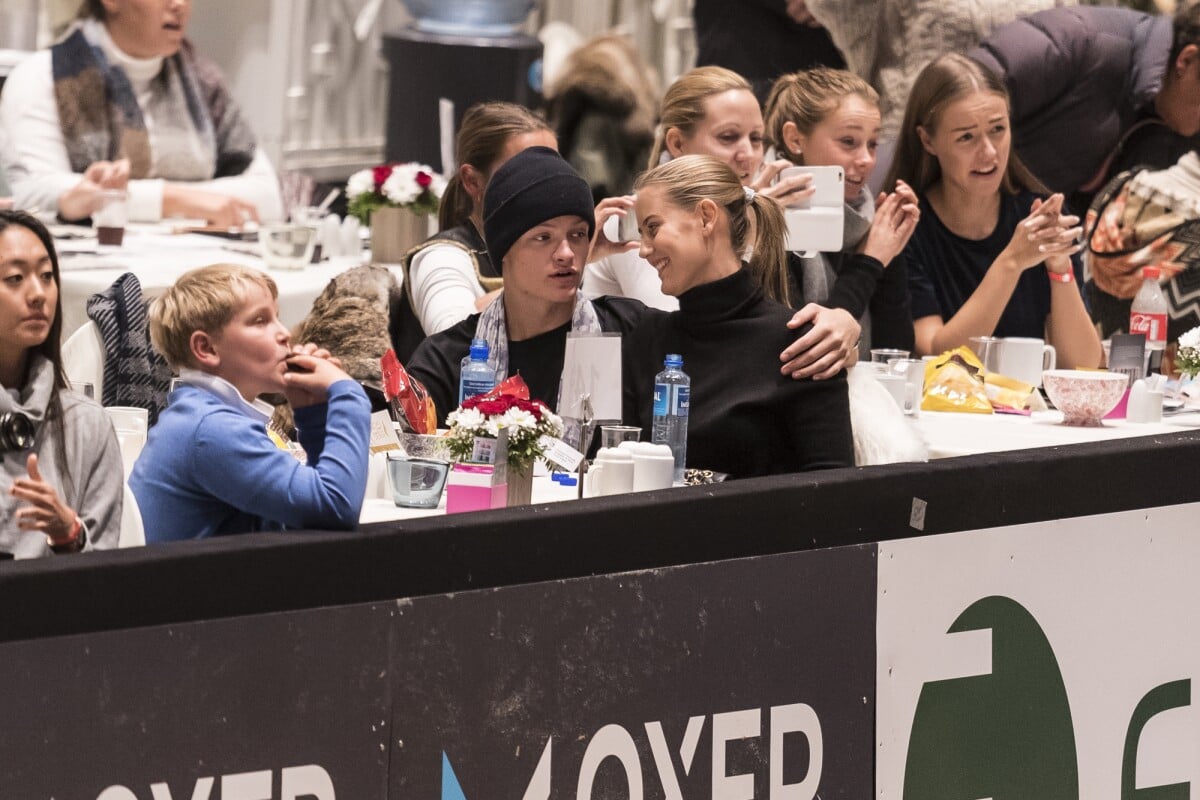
(826, 348)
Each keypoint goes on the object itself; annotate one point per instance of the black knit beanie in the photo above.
(533, 186)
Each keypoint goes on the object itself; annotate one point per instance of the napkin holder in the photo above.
(482, 482)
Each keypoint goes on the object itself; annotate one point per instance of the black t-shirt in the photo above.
(944, 270)
(438, 361)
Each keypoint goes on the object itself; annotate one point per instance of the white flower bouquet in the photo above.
(1187, 355)
(526, 421)
(410, 185)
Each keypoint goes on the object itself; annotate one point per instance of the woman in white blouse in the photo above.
(123, 102)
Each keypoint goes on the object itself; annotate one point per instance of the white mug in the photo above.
(653, 465)
(611, 473)
(1024, 359)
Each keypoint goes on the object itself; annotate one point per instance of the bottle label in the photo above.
(671, 400)
(683, 399)
(1153, 326)
(661, 394)
(471, 388)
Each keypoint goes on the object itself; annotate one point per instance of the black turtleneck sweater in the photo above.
(746, 419)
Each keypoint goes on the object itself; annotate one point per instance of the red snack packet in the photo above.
(514, 386)
(410, 402)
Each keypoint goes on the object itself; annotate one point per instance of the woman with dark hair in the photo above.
(61, 483)
(451, 275)
(992, 255)
(123, 102)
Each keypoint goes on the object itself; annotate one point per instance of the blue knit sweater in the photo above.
(209, 468)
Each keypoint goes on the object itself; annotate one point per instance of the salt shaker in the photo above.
(330, 236)
(351, 240)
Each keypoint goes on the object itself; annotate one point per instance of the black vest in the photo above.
(403, 325)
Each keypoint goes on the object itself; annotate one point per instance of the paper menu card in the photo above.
(591, 366)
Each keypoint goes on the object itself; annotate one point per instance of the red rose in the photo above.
(381, 174)
(424, 179)
(532, 407)
(470, 402)
(492, 408)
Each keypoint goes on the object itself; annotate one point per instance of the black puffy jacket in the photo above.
(1078, 78)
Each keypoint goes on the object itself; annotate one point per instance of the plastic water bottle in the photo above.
(1148, 315)
(672, 398)
(477, 376)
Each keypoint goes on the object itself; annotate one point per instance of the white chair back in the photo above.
(133, 533)
(83, 357)
(132, 426)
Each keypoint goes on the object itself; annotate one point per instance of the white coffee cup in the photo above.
(611, 472)
(1024, 358)
(653, 465)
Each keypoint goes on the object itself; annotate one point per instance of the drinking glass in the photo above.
(287, 245)
(882, 355)
(417, 482)
(613, 435)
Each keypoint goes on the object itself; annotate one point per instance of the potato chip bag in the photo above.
(954, 382)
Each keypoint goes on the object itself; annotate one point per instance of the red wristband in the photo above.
(1060, 277)
(73, 543)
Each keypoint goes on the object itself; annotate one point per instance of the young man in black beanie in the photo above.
(538, 222)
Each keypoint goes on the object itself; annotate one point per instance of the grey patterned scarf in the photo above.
(101, 119)
(493, 326)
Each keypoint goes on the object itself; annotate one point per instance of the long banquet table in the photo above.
(158, 256)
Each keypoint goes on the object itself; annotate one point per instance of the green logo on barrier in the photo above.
(1007, 735)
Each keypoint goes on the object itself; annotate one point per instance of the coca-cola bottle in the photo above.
(1148, 316)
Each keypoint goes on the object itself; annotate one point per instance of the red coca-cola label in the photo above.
(1153, 326)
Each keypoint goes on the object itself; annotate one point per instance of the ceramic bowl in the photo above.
(1084, 397)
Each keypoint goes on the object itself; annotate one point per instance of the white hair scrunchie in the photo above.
(749, 194)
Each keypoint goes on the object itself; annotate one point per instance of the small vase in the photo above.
(520, 486)
(395, 231)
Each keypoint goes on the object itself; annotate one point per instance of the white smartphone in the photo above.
(627, 229)
(815, 224)
(622, 229)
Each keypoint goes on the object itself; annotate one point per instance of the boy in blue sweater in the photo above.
(209, 467)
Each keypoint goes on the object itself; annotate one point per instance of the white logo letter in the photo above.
(611, 740)
(798, 718)
(732, 725)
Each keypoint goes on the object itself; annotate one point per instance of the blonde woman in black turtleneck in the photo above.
(746, 419)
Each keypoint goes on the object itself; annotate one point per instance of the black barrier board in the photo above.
(601, 687)
(285, 706)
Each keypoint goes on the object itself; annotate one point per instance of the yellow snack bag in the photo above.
(953, 382)
(1008, 392)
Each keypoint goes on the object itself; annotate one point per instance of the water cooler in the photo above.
(427, 67)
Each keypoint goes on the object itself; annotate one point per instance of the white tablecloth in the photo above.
(951, 434)
(158, 258)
